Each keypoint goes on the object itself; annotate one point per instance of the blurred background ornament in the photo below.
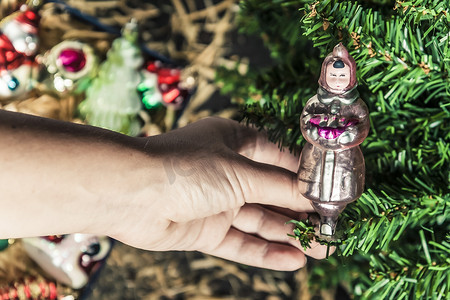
(71, 65)
(19, 44)
(174, 91)
(31, 288)
(112, 100)
(149, 91)
(70, 259)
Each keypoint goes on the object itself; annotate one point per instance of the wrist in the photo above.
(132, 192)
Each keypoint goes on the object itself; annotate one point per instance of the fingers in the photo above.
(264, 151)
(251, 143)
(250, 250)
(287, 212)
(269, 174)
(271, 226)
(271, 185)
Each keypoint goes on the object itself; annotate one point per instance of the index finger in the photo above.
(253, 144)
(262, 150)
(271, 185)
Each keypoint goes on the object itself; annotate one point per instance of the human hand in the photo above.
(222, 189)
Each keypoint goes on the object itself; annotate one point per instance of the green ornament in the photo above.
(148, 88)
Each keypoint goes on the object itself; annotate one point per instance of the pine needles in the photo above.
(397, 235)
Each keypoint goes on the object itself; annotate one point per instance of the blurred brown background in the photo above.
(200, 35)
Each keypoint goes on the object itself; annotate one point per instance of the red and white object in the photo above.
(173, 90)
(70, 259)
(19, 44)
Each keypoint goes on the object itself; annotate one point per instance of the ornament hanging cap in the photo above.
(338, 56)
(340, 51)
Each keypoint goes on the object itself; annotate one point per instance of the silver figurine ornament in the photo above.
(334, 122)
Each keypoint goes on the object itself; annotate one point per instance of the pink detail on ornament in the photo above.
(73, 60)
(330, 133)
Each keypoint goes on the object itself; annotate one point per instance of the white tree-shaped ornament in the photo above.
(112, 100)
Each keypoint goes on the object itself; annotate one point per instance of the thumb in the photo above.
(272, 185)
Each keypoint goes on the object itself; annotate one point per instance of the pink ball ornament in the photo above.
(73, 60)
(70, 64)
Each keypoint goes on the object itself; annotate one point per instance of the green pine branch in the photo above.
(393, 53)
(396, 237)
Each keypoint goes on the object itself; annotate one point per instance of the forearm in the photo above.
(59, 177)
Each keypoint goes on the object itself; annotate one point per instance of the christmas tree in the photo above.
(112, 100)
(394, 241)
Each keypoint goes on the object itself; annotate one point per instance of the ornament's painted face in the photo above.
(338, 77)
